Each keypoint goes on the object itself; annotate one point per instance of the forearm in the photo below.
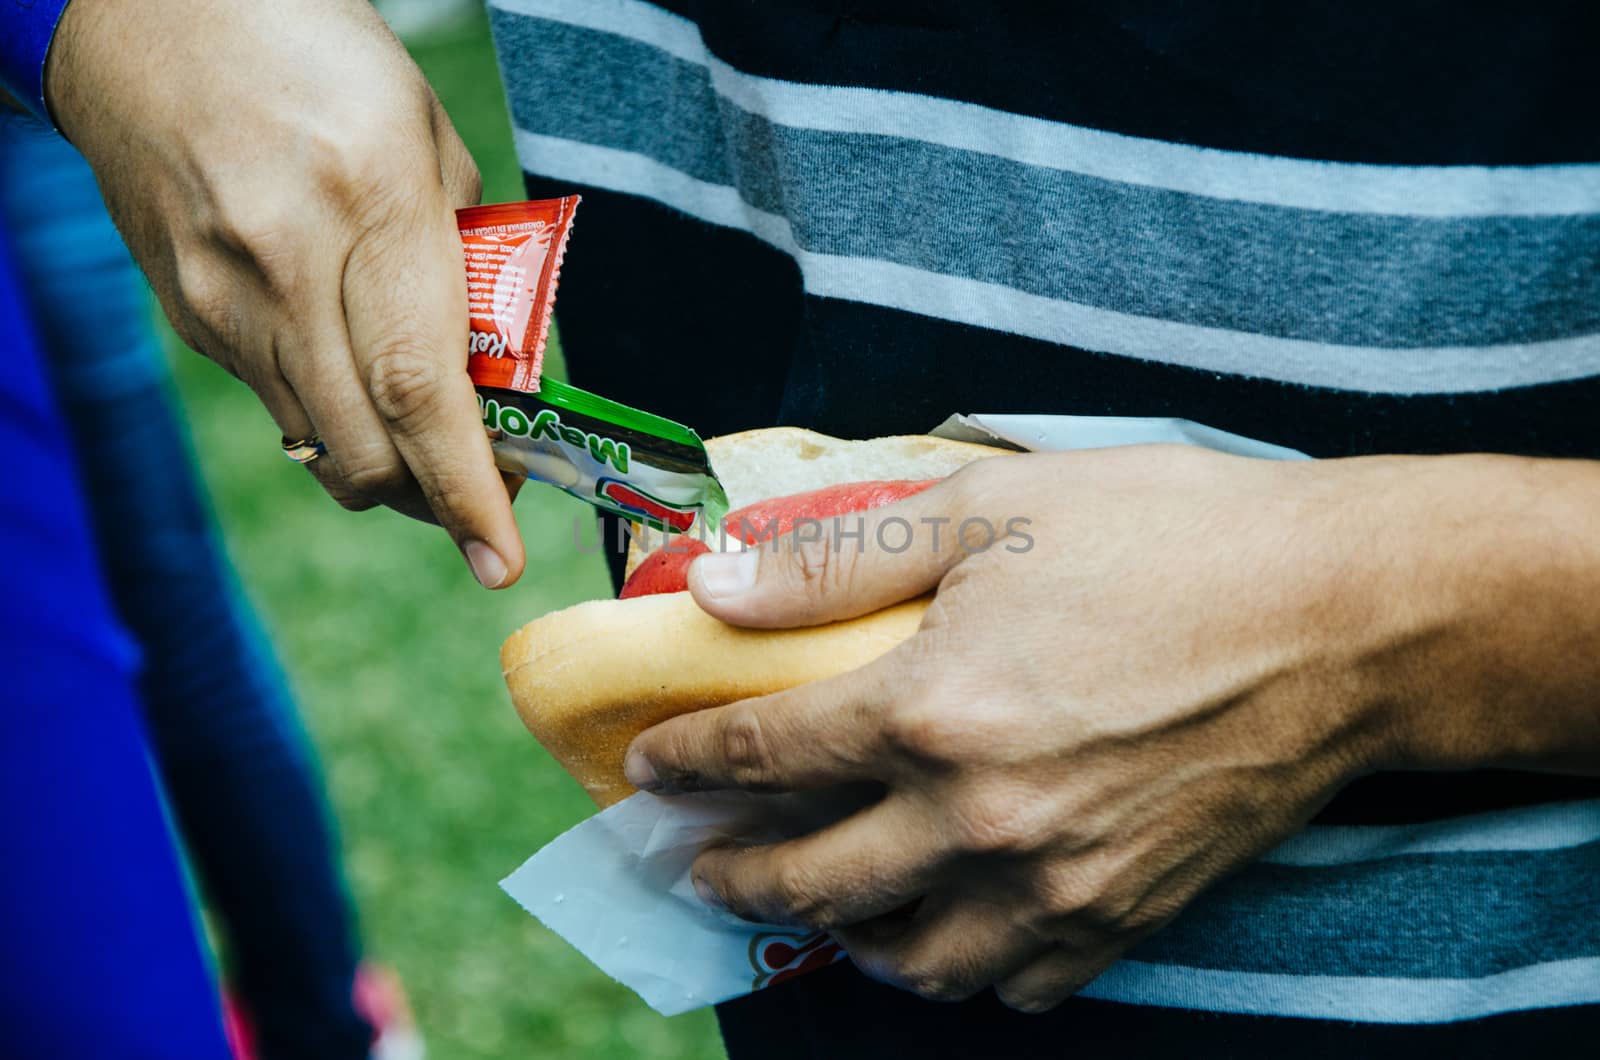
(1501, 664)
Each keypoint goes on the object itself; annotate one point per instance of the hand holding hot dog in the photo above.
(1088, 732)
(288, 182)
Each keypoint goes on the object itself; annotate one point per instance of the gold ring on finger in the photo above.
(305, 450)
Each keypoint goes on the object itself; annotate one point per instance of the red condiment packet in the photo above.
(513, 254)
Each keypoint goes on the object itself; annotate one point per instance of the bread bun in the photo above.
(588, 679)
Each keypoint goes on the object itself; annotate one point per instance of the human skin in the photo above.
(1197, 652)
(287, 180)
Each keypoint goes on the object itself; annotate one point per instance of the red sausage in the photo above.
(754, 522)
(666, 570)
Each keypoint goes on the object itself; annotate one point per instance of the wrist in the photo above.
(1488, 653)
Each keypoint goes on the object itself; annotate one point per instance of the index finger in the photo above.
(823, 733)
(405, 301)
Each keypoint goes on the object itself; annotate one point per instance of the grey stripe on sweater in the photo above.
(1525, 288)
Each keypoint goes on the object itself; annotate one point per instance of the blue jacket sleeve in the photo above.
(26, 27)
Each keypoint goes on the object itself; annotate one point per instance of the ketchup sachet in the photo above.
(643, 467)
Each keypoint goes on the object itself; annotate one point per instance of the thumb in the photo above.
(834, 568)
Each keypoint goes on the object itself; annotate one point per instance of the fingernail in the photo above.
(711, 898)
(725, 574)
(486, 564)
(640, 773)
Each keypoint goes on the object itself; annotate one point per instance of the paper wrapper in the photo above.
(617, 885)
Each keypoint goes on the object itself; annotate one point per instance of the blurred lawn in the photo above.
(393, 650)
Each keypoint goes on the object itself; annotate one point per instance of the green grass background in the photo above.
(392, 649)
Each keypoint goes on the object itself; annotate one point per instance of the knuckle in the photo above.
(348, 163)
(1121, 912)
(745, 748)
(998, 821)
(934, 982)
(975, 535)
(374, 478)
(384, 200)
(338, 163)
(934, 726)
(1030, 1002)
(448, 497)
(256, 373)
(349, 500)
(821, 569)
(794, 892)
(1068, 896)
(934, 988)
(1115, 909)
(1090, 899)
(206, 298)
(920, 733)
(404, 383)
(264, 232)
